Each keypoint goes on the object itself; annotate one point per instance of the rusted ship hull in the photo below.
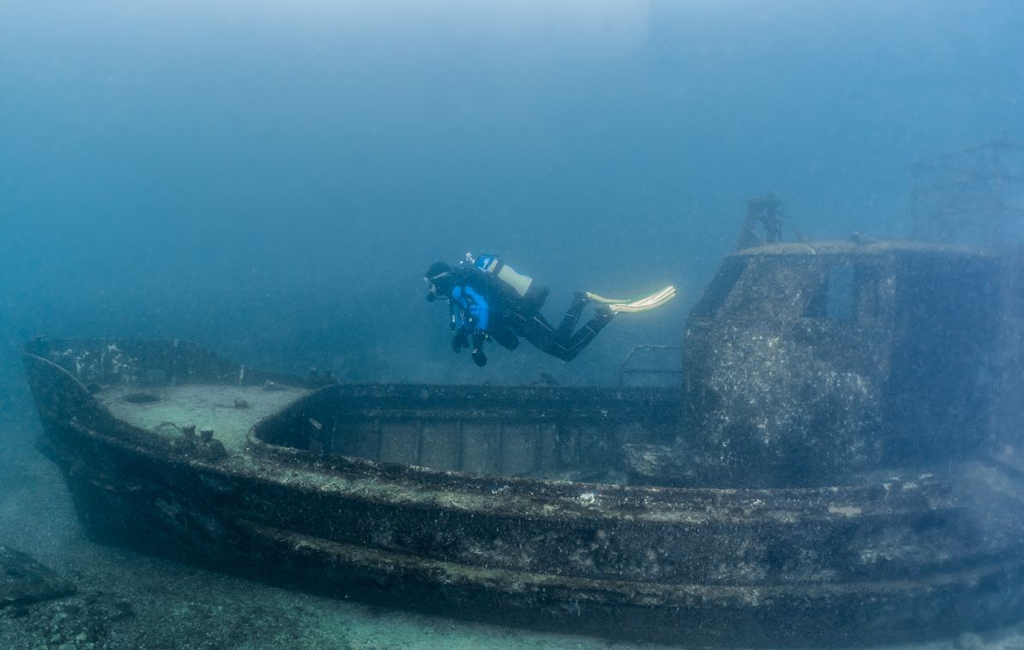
(879, 556)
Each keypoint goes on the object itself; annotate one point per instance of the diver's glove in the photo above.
(459, 341)
(479, 358)
(478, 349)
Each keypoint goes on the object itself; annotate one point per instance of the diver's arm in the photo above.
(479, 310)
(462, 311)
(460, 326)
(479, 316)
(459, 341)
(470, 315)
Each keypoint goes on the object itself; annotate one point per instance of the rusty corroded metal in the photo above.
(636, 513)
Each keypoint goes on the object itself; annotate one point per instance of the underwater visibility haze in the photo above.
(269, 180)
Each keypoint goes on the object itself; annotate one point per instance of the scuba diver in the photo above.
(490, 300)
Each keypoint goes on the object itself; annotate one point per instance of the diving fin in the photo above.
(652, 301)
(606, 301)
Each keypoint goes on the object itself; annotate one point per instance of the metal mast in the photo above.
(973, 195)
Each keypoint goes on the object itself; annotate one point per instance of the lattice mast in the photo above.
(973, 195)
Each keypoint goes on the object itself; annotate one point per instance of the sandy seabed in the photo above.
(128, 601)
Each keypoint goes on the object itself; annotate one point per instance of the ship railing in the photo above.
(626, 371)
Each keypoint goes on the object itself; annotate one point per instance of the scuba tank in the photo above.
(509, 282)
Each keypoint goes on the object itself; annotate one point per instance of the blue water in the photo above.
(271, 179)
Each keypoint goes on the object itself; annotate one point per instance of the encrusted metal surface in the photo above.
(805, 363)
(780, 504)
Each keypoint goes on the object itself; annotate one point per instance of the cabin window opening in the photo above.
(837, 298)
(840, 303)
(868, 303)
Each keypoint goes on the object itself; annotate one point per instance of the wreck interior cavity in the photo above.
(543, 433)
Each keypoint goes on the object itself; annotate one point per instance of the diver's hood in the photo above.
(439, 278)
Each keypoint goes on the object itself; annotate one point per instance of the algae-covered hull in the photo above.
(504, 504)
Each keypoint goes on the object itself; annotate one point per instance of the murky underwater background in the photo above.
(271, 179)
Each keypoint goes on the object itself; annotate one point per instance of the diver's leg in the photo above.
(538, 331)
(582, 338)
(543, 336)
(572, 316)
(505, 337)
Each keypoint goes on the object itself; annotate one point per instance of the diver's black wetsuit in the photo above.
(480, 305)
(564, 342)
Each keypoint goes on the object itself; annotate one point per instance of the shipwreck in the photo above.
(841, 463)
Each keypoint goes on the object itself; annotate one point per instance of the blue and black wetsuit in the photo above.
(478, 311)
(472, 305)
(483, 307)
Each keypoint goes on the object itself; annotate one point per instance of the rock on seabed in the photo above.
(24, 581)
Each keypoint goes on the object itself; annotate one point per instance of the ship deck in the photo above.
(166, 409)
